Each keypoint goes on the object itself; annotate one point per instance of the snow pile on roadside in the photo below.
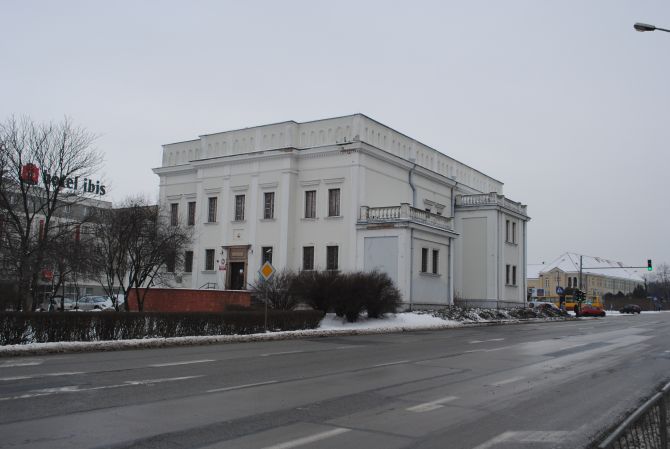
(406, 320)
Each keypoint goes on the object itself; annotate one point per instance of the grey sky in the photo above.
(561, 100)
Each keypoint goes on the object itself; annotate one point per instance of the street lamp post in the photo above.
(642, 27)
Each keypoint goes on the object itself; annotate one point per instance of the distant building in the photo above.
(341, 194)
(599, 276)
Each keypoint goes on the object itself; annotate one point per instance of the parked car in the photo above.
(590, 310)
(542, 305)
(94, 303)
(52, 304)
(631, 308)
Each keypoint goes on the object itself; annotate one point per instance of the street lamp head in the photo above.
(643, 27)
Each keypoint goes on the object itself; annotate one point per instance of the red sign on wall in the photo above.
(30, 173)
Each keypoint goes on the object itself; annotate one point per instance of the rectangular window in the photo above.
(188, 262)
(77, 233)
(424, 260)
(269, 205)
(267, 254)
(507, 267)
(513, 232)
(436, 258)
(209, 259)
(174, 214)
(507, 230)
(310, 204)
(308, 258)
(333, 202)
(331, 257)
(41, 231)
(239, 207)
(170, 263)
(211, 210)
(191, 213)
(514, 275)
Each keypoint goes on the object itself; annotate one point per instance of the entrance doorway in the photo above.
(237, 277)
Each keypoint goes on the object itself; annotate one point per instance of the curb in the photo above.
(152, 343)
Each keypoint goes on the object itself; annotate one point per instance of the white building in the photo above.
(346, 193)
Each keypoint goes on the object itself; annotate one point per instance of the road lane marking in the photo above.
(310, 439)
(270, 354)
(351, 346)
(484, 341)
(507, 381)
(543, 436)
(488, 350)
(240, 387)
(76, 389)
(13, 363)
(432, 405)
(37, 376)
(188, 362)
(390, 363)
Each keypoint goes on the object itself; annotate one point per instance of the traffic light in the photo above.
(649, 265)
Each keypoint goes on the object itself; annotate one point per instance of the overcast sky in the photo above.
(561, 100)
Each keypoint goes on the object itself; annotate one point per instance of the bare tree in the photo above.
(136, 244)
(44, 167)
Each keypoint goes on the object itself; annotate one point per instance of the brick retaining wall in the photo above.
(187, 300)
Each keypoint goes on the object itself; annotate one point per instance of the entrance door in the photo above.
(237, 277)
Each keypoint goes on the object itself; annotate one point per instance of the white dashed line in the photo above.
(310, 439)
(76, 389)
(37, 376)
(484, 341)
(507, 381)
(430, 406)
(160, 365)
(240, 387)
(270, 354)
(11, 364)
(390, 363)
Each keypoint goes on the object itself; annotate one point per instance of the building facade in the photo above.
(346, 193)
(599, 276)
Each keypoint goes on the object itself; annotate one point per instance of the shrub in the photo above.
(278, 291)
(382, 295)
(317, 289)
(29, 327)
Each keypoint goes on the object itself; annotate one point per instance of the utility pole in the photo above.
(580, 272)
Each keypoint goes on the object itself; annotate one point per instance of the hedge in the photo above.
(45, 327)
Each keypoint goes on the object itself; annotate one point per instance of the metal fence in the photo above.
(646, 428)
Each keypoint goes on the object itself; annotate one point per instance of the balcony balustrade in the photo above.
(403, 213)
(490, 199)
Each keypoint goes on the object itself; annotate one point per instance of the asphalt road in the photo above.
(543, 385)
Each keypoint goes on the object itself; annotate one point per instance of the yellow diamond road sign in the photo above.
(267, 270)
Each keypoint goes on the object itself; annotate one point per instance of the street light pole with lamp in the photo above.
(642, 27)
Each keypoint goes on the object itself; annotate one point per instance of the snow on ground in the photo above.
(409, 320)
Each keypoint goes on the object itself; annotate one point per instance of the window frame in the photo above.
(212, 204)
(209, 263)
(174, 214)
(264, 254)
(240, 201)
(424, 260)
(191, 213)
(311, 258)
(268, 206)
(436, 259)
(310, 204)
(188, 261)
(334, 201)
(330, 251)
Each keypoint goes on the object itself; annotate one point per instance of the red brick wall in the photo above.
(186, 300)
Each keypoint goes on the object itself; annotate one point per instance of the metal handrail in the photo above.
(626, 428)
